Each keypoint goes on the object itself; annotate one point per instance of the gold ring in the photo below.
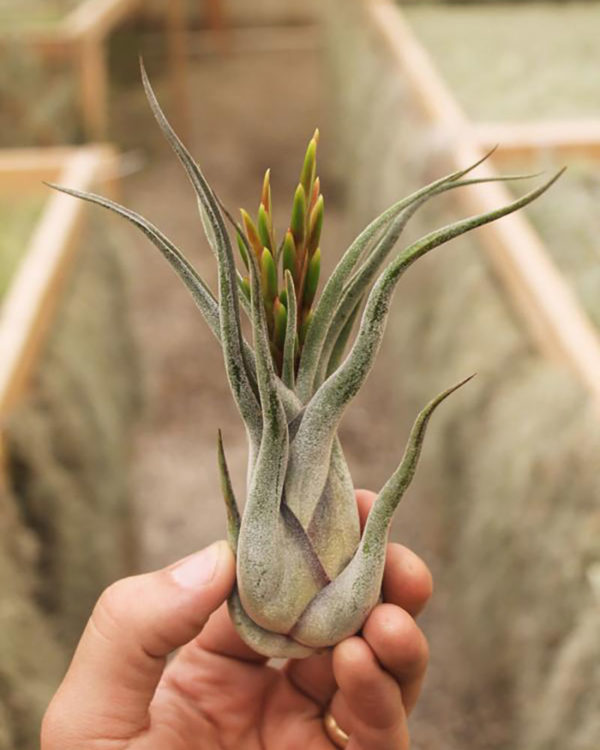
(335, 733)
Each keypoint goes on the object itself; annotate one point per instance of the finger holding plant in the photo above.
(306, 576)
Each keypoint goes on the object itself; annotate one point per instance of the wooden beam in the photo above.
(93, 87)
(94, 19)
(29, 305)
(87, 26)
(215, 15)
(564, 138)
(24, 169)
(255, 39)
(415, 65)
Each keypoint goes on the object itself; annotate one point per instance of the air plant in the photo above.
(306, 577)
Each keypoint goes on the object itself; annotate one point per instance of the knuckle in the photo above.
(114, 606)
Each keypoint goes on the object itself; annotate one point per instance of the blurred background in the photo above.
(112, 388)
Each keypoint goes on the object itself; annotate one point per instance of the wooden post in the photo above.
(93, 88)
(216, 21)
(177, 45)
(22, 170)
(215, 15)
(87, 28)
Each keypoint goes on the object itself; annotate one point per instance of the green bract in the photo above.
(306, 578)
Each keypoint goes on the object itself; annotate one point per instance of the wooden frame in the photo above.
(27, 309)
(81, 36)
(550, 310)
(565, 138)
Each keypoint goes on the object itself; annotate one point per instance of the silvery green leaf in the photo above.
(207, 227)
(311, 449)
(339, 347)
(330, 297)
(357, 286)
(289, 349)
(277, 572)
(231, 334)
(334, 529)
(341, 608)
(200, 292)
(233, 513)
(264, 641)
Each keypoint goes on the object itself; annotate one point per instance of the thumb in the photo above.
(136, 623)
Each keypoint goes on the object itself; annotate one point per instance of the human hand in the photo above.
(120, 693)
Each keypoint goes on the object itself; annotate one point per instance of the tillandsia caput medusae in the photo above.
(306, 577)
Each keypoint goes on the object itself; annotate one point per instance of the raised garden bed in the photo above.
(41, 253)
(75, 31)
(537, 289)
(69, 395)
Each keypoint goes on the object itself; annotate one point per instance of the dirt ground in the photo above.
(250, 110)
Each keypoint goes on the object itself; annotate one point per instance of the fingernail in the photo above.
(199, 569)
